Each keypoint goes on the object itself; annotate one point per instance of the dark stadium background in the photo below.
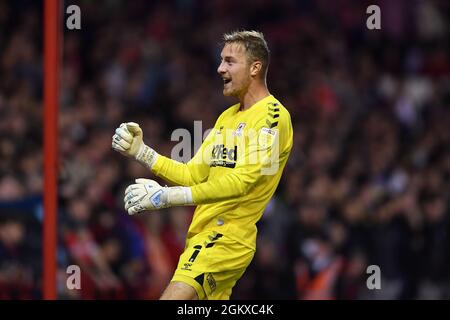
(367, 182)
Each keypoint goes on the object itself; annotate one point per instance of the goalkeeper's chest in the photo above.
(229, 145)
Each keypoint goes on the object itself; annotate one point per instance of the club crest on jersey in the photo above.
(239, 129)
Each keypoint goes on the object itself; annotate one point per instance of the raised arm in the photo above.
(128, 140)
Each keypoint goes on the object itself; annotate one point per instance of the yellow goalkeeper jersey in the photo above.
(236, 170)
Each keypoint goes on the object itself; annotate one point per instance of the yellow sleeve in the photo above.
(261, 157)
(185, 174)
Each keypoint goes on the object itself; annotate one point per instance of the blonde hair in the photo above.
(255, 46)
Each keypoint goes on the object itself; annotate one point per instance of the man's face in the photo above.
(234, 70)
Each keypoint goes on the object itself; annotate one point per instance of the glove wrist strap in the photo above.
(147, 156)
(179, 196)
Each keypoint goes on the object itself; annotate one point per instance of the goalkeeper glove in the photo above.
(128, 140)
(148, 195)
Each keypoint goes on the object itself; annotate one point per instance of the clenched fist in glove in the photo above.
(128, 140)
(148, 195)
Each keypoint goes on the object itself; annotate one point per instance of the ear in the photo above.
(255, 68)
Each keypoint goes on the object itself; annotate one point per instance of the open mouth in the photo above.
(226, 80)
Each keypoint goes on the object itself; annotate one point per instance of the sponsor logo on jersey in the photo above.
(219, 131)
(268, 131)
(187, 267)
(223, 157)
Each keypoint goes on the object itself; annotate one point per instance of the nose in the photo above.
(221, 68)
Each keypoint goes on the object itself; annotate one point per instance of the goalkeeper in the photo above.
(230, 179)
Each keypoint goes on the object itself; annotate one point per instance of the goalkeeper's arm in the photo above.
(128, 140)
(149, 195)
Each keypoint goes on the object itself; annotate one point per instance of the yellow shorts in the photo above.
(212, 263)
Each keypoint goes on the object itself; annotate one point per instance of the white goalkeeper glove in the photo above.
(128, 141)
(148, 195)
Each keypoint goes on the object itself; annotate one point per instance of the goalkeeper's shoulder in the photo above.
(274, 120)
(273, 115)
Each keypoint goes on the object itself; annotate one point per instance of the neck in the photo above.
(255, 92)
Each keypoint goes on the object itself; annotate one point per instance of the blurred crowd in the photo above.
(367, 182)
